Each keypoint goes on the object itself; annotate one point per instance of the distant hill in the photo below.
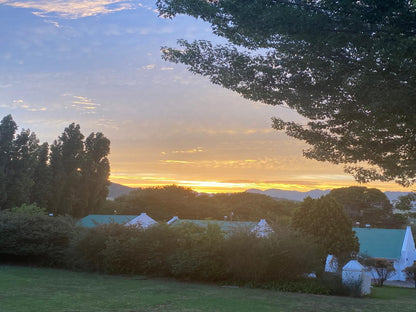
(300, 196)
(116, 190)
(291, 195)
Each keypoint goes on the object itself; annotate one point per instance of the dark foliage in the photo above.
(162, 203)
(69, 178)
(35, 238)
(347, 66)
(325, 220)
(367, 206)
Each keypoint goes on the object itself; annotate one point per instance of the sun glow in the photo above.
(203, 186)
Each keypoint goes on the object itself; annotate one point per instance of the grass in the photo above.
(25, 289)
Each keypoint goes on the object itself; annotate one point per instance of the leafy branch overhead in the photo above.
(348, 67)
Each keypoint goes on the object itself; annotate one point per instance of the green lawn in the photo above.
(25, 289)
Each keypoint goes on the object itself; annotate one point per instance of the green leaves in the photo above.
(325, 220)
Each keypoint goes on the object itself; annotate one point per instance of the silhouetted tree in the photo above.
(366, 206)
(347, 66)
(42, 177)
(95, 172)
(21, 169)
(325, 220)
(7, 132)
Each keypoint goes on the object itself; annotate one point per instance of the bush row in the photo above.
(186, 252)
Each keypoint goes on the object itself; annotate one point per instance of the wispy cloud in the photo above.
(171, 161)
(189, 151)
(264, 163)
(71, 9)
(82, 103)
(149, 67)
(20, 104)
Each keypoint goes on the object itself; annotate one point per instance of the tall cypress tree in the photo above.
(67, 154)
(95, 172)
(7, 132)
(21, 169)
(41, 177)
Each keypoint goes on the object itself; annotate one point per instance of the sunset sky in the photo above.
(98, 64)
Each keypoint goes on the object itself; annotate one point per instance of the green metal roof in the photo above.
(94, 220)
(225, 226)
(380, 243)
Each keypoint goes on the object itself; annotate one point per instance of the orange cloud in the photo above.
(71, 9)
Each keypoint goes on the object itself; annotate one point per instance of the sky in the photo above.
(98, 64)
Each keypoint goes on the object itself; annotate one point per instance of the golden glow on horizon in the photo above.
(233, 187)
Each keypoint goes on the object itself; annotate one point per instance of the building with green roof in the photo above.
(392, 244)
(261, 228)
(142, 220)
(94, 220)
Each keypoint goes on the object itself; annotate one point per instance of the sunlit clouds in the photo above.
(189, 151)
(71, 9)
(83, 104)
(21, 104)
(98, 64)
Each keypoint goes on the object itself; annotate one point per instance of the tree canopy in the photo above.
(69, 177)
(164, 202)
(325, 220)
(367, 206)
(348, 67)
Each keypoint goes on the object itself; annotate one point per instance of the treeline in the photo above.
(361, 204)
(69, 177)
(162, 203)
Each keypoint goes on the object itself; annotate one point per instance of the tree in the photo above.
(366, 206)
(80, 172)
(17, 161)
(405, 202)
(66, 160)
(95, 172)
(349, 67)
(164, 202)
(21, 168)
(71, 179)
(325, 220)
(411, 272)
(381, 269)
(41, 188)
(7, 132)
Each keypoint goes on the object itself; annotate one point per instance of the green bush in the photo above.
(116, 248)
(35, 238)
(199, 254)
(189, 252)
(284, 255)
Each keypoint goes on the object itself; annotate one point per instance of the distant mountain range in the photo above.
(299, 196)
(116, 190)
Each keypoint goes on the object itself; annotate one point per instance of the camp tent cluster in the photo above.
(261, 229)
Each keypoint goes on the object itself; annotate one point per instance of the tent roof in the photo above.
(225, 226)
(380, 243)
(94, 220)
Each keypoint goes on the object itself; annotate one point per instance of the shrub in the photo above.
(35, 238)
(284, 255)
(381, 269)
(199, 254)
(116, 248)
(31, 209)
(411, 272)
